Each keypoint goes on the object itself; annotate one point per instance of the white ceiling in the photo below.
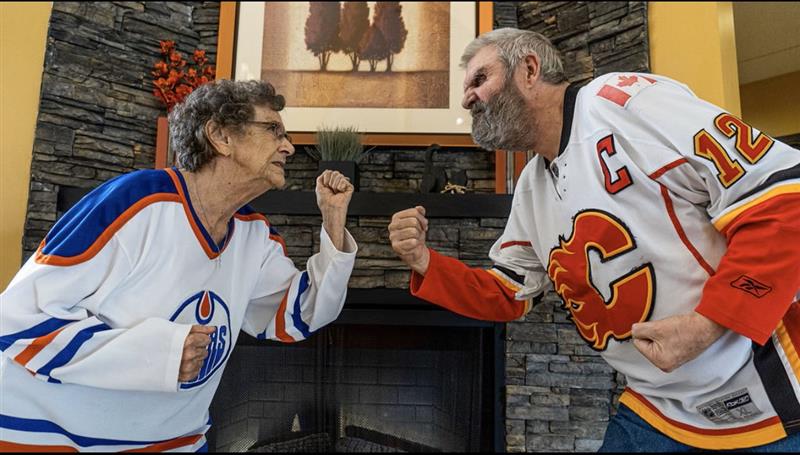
(767, 39)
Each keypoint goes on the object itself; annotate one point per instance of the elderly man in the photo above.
(668, 228)
(115, 334)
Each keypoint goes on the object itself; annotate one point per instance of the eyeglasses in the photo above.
(276, 129)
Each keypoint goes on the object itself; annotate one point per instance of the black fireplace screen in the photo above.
(361, 388)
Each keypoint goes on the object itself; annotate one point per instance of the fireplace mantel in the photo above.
(474, 205)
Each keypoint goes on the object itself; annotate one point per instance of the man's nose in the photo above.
(469, 98)
(289, 149)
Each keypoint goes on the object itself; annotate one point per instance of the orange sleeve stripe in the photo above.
(159, 447)
(788, 333)
(168, 445)
(36, 347)
(280, 321)
(513, 243)
(664, 169)
(51, 259)
(682, 234)
(724, 221)
(504, 281)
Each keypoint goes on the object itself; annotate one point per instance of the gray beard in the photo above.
(502, 123)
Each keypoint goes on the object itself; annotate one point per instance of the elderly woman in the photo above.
(115, 334)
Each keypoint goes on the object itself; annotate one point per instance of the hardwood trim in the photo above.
(519, 163)
(226, 39)
(399, 139)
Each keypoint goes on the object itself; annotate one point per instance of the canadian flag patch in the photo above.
(622, 87)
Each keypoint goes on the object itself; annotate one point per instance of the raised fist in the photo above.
(407, 234)
(334, 191)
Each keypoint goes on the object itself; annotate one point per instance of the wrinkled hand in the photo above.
(195, 351)
(334, 191)
(407, 234)
(671, 342)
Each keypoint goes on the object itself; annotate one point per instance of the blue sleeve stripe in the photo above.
(45, 426)
(84, 223)
(297, 318)
(66, 354)
(39, 330)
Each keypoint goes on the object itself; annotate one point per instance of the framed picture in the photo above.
(390, 69)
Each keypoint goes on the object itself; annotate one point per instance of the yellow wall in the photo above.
(694, 43)
(773, 105)
(23, 33)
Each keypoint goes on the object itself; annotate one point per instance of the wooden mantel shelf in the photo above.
(477, 205)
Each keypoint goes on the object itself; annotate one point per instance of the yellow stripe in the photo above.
(788, 349)
(721, 223)
(752, 438)
(505, 282)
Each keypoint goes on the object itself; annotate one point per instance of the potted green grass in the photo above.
(339, 149)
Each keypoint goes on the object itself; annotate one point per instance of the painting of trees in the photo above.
(389, 19)
(373, 47)
(356, 54)
(353, 26)
(322, 31)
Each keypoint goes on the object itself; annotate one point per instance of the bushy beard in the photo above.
(502, 123)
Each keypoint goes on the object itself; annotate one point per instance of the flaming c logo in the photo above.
(632, 294)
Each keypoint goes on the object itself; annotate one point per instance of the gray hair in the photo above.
(228, 103)
(513, 45)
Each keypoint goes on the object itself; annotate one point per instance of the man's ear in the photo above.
(532, 67)
(219, 137)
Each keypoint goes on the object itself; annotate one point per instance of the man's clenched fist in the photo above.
(407, 234)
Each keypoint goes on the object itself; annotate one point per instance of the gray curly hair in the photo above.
(228, 103)
(513, 45)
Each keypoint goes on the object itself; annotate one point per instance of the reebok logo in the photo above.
(751, 286)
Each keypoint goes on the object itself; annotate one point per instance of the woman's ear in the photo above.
(219, 137)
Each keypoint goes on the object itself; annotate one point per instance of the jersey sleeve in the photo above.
(748, 183)
(52, 324)
(505, 291)
(288, 305)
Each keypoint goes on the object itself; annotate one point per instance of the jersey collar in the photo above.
(570, 95)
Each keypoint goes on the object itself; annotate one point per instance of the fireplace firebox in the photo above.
(400, 376)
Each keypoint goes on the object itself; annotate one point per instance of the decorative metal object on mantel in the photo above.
(339, 149)
(436, 179)
(173, 80)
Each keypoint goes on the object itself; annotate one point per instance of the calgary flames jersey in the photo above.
(659, 204)
(93, 325)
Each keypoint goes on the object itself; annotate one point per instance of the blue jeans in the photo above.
(627, 432)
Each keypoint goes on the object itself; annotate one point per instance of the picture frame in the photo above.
(240, 43)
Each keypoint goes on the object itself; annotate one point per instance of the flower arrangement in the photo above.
(174, 78)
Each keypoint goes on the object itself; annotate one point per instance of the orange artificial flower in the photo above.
(174, 79)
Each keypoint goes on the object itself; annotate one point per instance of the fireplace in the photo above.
(400, 376)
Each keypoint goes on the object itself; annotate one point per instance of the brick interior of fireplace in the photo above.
(358, 388)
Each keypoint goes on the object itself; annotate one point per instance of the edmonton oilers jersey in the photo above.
(94, 323)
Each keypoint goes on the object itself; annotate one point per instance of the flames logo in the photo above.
(632, 294)
(207, 308)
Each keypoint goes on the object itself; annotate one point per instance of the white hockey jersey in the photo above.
(660, 204)
(93, 325)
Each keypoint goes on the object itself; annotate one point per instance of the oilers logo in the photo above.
(207, 308)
